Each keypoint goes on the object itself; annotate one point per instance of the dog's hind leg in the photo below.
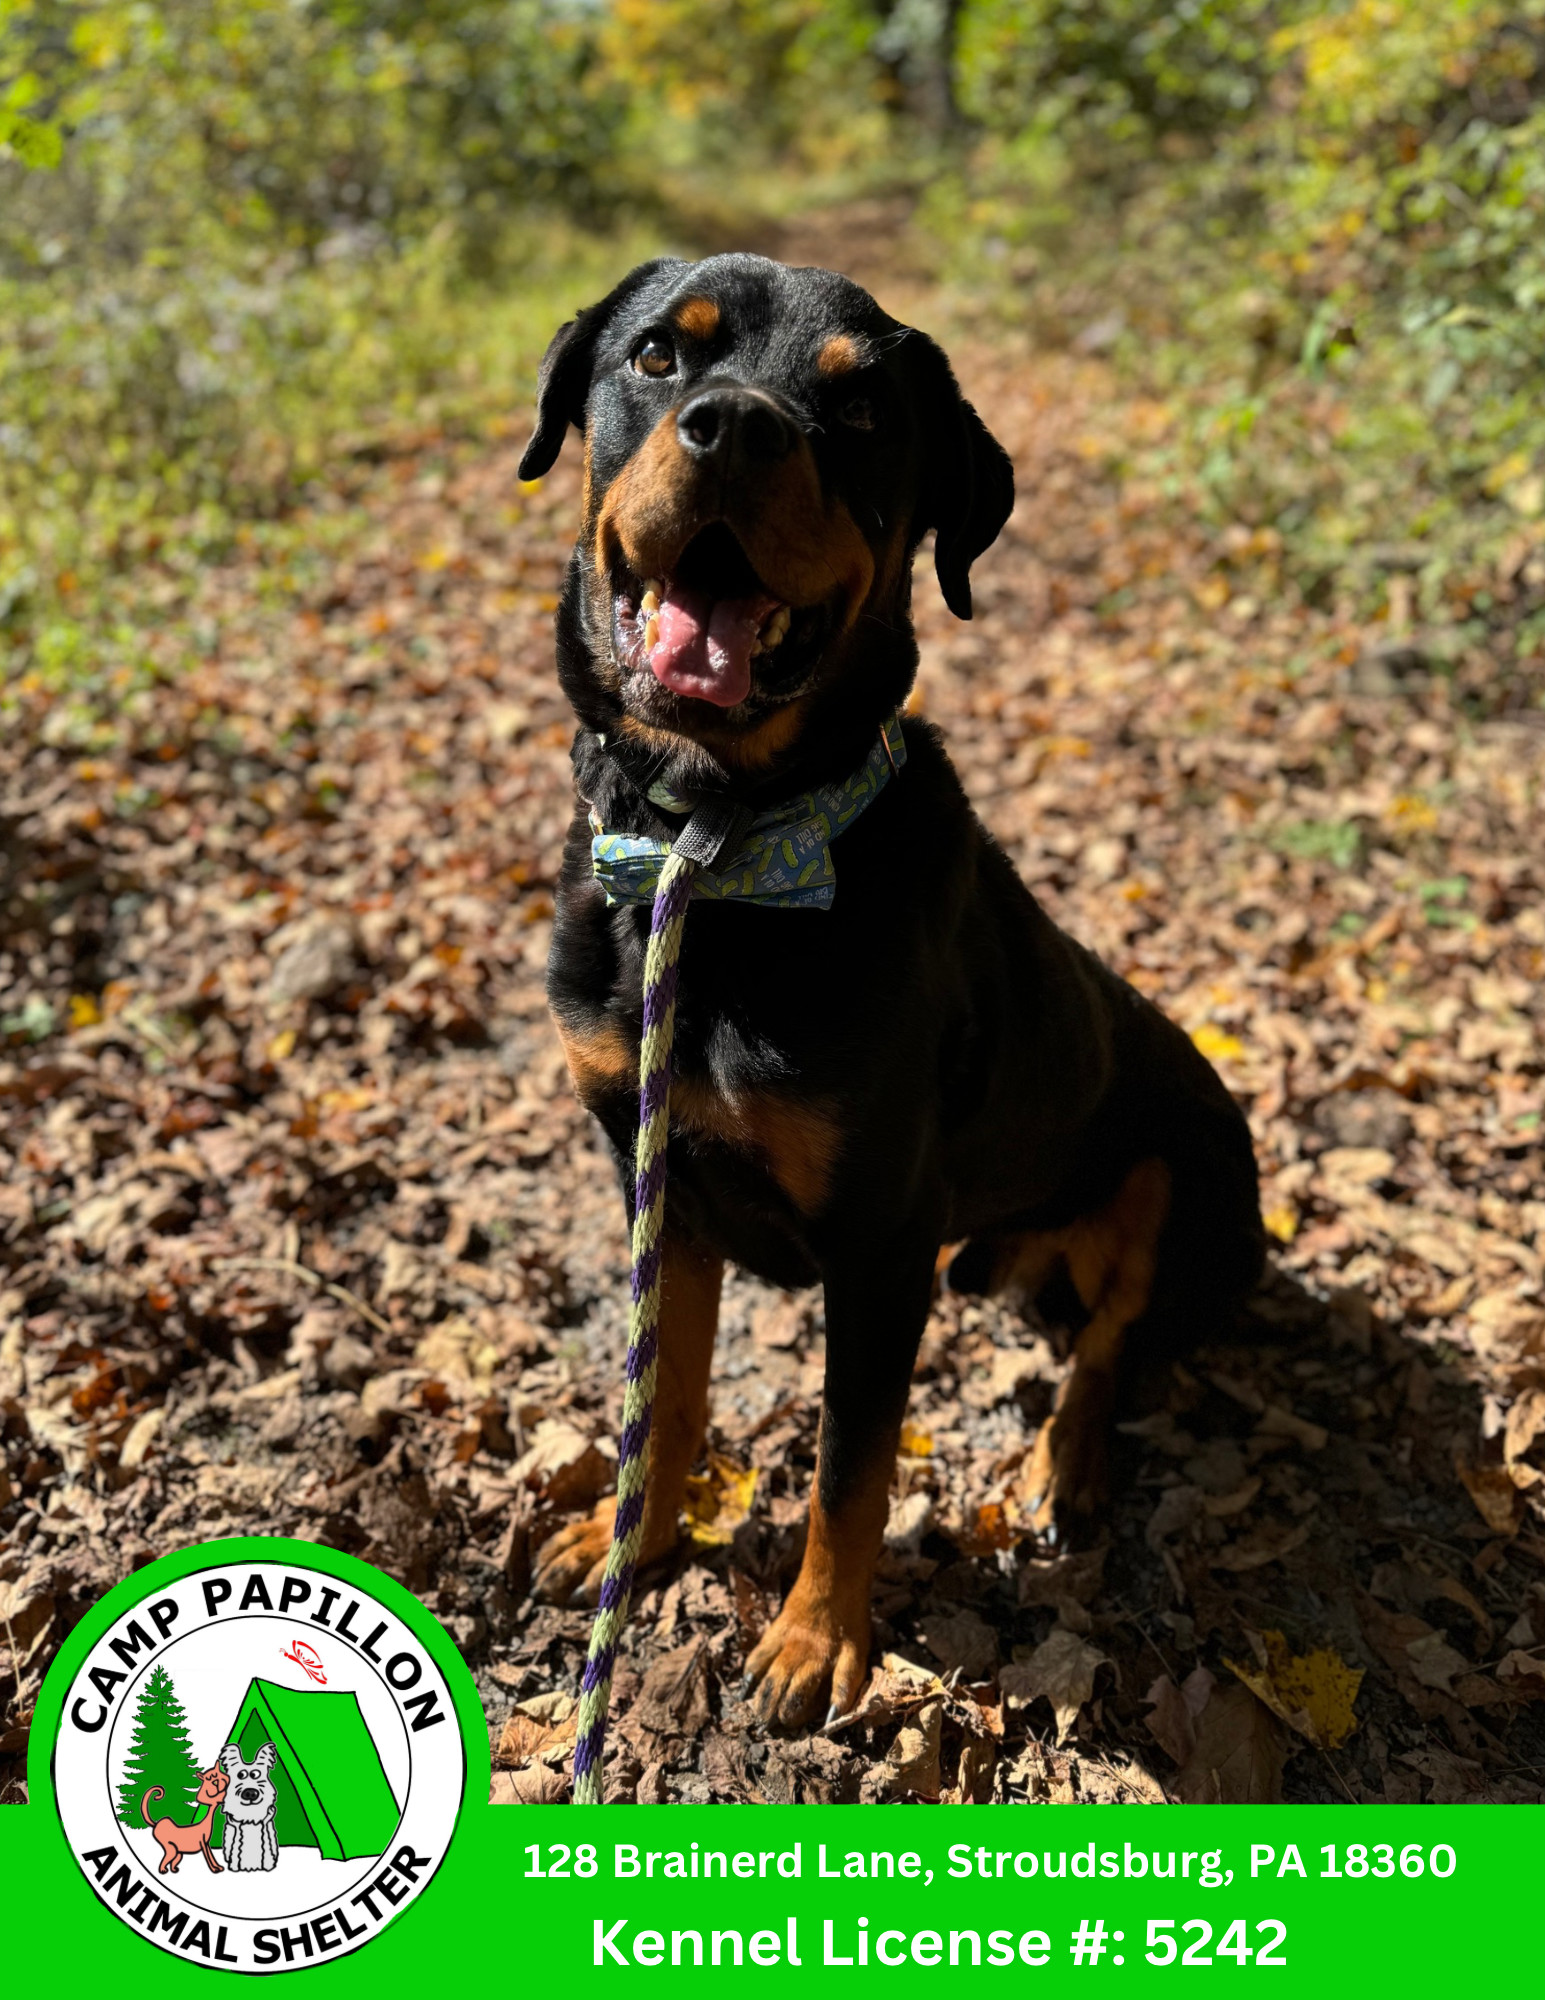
(1021, 1262)
(1112, 1257)
(876, 1305)
(570, 1565)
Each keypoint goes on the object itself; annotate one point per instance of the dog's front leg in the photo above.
(877, 1303)
(571, 1564)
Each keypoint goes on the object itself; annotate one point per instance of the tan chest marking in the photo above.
(798, 1143)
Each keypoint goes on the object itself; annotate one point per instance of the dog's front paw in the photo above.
(571, 1564)
(808, 1650)
(1070, 1471)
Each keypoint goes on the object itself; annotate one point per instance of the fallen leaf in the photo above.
(1261, 1546)
(674, 1700)
(1061, 1672)
(718, 1501)
(1435, 1663)
(1312, 1692)
(1495, 1494)
(1172, 1720)
(563, 1467)
(1077, 1575)
(534, 1785)
(910, 1519)
(974, 1773)
(1276, 1422)
(1525, 1421)
(1237, 1758)
(142, 1433)
(962, 1641)
(911, 1769)
(1521, 1676)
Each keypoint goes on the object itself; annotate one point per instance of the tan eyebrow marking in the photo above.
(839, 356)
(698, 317)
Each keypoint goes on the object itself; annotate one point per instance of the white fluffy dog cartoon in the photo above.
(250, 1804)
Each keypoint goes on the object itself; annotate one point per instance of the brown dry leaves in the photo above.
(303, 1230)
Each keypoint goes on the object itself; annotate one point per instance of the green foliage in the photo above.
(1308, 230)
(1120, 71)
(1312, 230)
(731, 85)
(278, 226)
(160, 1753)
(1338, 841)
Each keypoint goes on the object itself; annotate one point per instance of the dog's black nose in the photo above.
(734, 427)
(249, 1795)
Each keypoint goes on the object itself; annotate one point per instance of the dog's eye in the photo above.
(654, 357)
(858, 413)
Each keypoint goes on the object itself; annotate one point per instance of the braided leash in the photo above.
(711, 831)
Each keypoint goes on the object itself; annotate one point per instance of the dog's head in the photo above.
(213, 1785)
(764, 450)
(250, 1794)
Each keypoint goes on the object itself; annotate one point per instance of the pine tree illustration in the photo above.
(160, 1753)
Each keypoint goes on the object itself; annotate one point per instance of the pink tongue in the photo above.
(705, 644)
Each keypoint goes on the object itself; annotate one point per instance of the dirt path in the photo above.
(304, 1232)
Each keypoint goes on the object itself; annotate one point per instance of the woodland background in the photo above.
(300, 1227)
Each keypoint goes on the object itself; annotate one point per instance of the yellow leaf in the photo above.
(718, 1501)
(332, 1102)
(1215, 1043)
(282, 1045)
(1504, 473)
(1409, 811)
(1312, 1692)
(1281, 1221)
(84, 1011)
(916, 1443)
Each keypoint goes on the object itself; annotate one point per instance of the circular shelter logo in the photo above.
(259, 1752)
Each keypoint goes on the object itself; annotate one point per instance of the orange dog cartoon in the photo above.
(176, 1841)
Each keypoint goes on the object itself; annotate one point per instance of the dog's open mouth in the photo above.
(702, 628)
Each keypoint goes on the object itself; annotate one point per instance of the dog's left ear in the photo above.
(265, 1758)
(230, 1758)
(564, 379)
(967, 482)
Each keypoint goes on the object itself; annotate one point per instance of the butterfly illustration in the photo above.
(306, 1660)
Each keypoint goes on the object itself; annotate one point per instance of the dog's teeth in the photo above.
(651, 634)
(653, 587)
(756, 648)
(649, 603)
(777, 625)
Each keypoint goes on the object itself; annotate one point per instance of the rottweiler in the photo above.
(884, 1046)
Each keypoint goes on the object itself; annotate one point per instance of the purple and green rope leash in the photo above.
(709, 832)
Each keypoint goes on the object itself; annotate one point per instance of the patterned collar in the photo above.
(784, 858)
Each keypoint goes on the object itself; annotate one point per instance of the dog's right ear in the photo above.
(230, 1758)
(564, 379)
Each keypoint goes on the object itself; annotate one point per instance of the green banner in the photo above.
(1320, 1901)
(261, 1757)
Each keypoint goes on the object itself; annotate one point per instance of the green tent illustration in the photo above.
(332, 1791)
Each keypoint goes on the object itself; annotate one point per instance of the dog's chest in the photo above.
(719, 1092)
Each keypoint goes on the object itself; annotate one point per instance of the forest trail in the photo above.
(305, 1233)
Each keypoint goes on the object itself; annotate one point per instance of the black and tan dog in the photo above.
(927, 1060)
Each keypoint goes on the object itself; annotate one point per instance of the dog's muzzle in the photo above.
(249, 1795)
